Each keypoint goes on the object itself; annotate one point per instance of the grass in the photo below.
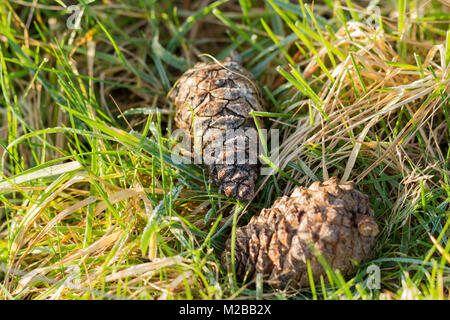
(93, 206)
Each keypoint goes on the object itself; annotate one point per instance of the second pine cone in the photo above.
(331, 219)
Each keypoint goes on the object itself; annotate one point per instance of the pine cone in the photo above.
(219, 97)
(329, 218)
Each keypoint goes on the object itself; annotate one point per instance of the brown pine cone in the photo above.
(219, 97)
(334, 219)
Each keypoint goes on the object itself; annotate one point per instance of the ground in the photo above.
(93, 205)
